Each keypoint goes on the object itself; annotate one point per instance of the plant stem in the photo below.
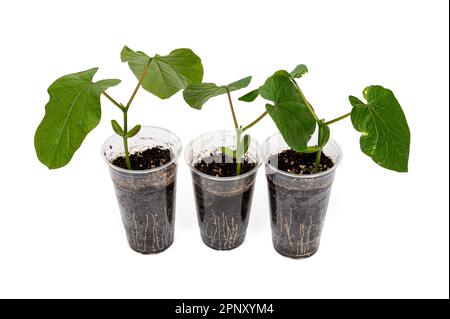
(319, 151)
(255, 121)
(239, 151)
(236, 125)
(141, 79)
(338, 118)
(238, 134)
(120, 106)
(238, 168)
(125, 139)
(317, 162)
(125, 116)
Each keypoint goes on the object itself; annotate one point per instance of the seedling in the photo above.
(199, 93)
(74, 107)
(385, 132)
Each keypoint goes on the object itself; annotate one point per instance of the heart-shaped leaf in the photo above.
(167, 74)
(298, 72)
(292, 117)
(386, 136)
(198, 94)
(71, 113)
(279, 88)
(295, 123)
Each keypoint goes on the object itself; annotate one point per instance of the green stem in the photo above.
(317, 162)
(125, 139)
(238, 168)
(238, 151)
(125, 115)
(141, 79)
(255, 121)
(338, 118)
(236, 125)
(238, 134)
(120, 106)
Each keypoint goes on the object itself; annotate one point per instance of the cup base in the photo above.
(224, 247)
(154, 252)
(296, 256)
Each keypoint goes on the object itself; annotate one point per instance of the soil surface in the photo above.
(294, 162)
(221, 165)
(148, 159)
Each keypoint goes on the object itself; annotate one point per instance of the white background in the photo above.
(386, 234)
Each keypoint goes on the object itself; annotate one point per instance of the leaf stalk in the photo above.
(255, 121)
(338, 118)
(113, 101)
(233, 113)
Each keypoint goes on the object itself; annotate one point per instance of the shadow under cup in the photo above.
(223, 203)
(298, 203)
(146, 198)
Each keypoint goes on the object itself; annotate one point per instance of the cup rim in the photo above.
(150, 170)
(327, 172)
(229, 178)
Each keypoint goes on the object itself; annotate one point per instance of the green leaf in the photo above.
(167, 74)
(246, 143)
(386, 136)
(116, 128)
(133, 131)
(198, 94)
(71, 113)
(295, 123)
(296, 73)
(239, 84)
(137, 60)
(299, 71)
(250, 96)
(324, 134)
(283, 73)
(293, 119)
(279, 88)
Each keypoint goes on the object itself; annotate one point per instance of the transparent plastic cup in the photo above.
(223, 203)
(298, 203)
(146, 197)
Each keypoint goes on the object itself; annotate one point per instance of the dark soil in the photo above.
(300, 163)
(220, 165)
(148, 159)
